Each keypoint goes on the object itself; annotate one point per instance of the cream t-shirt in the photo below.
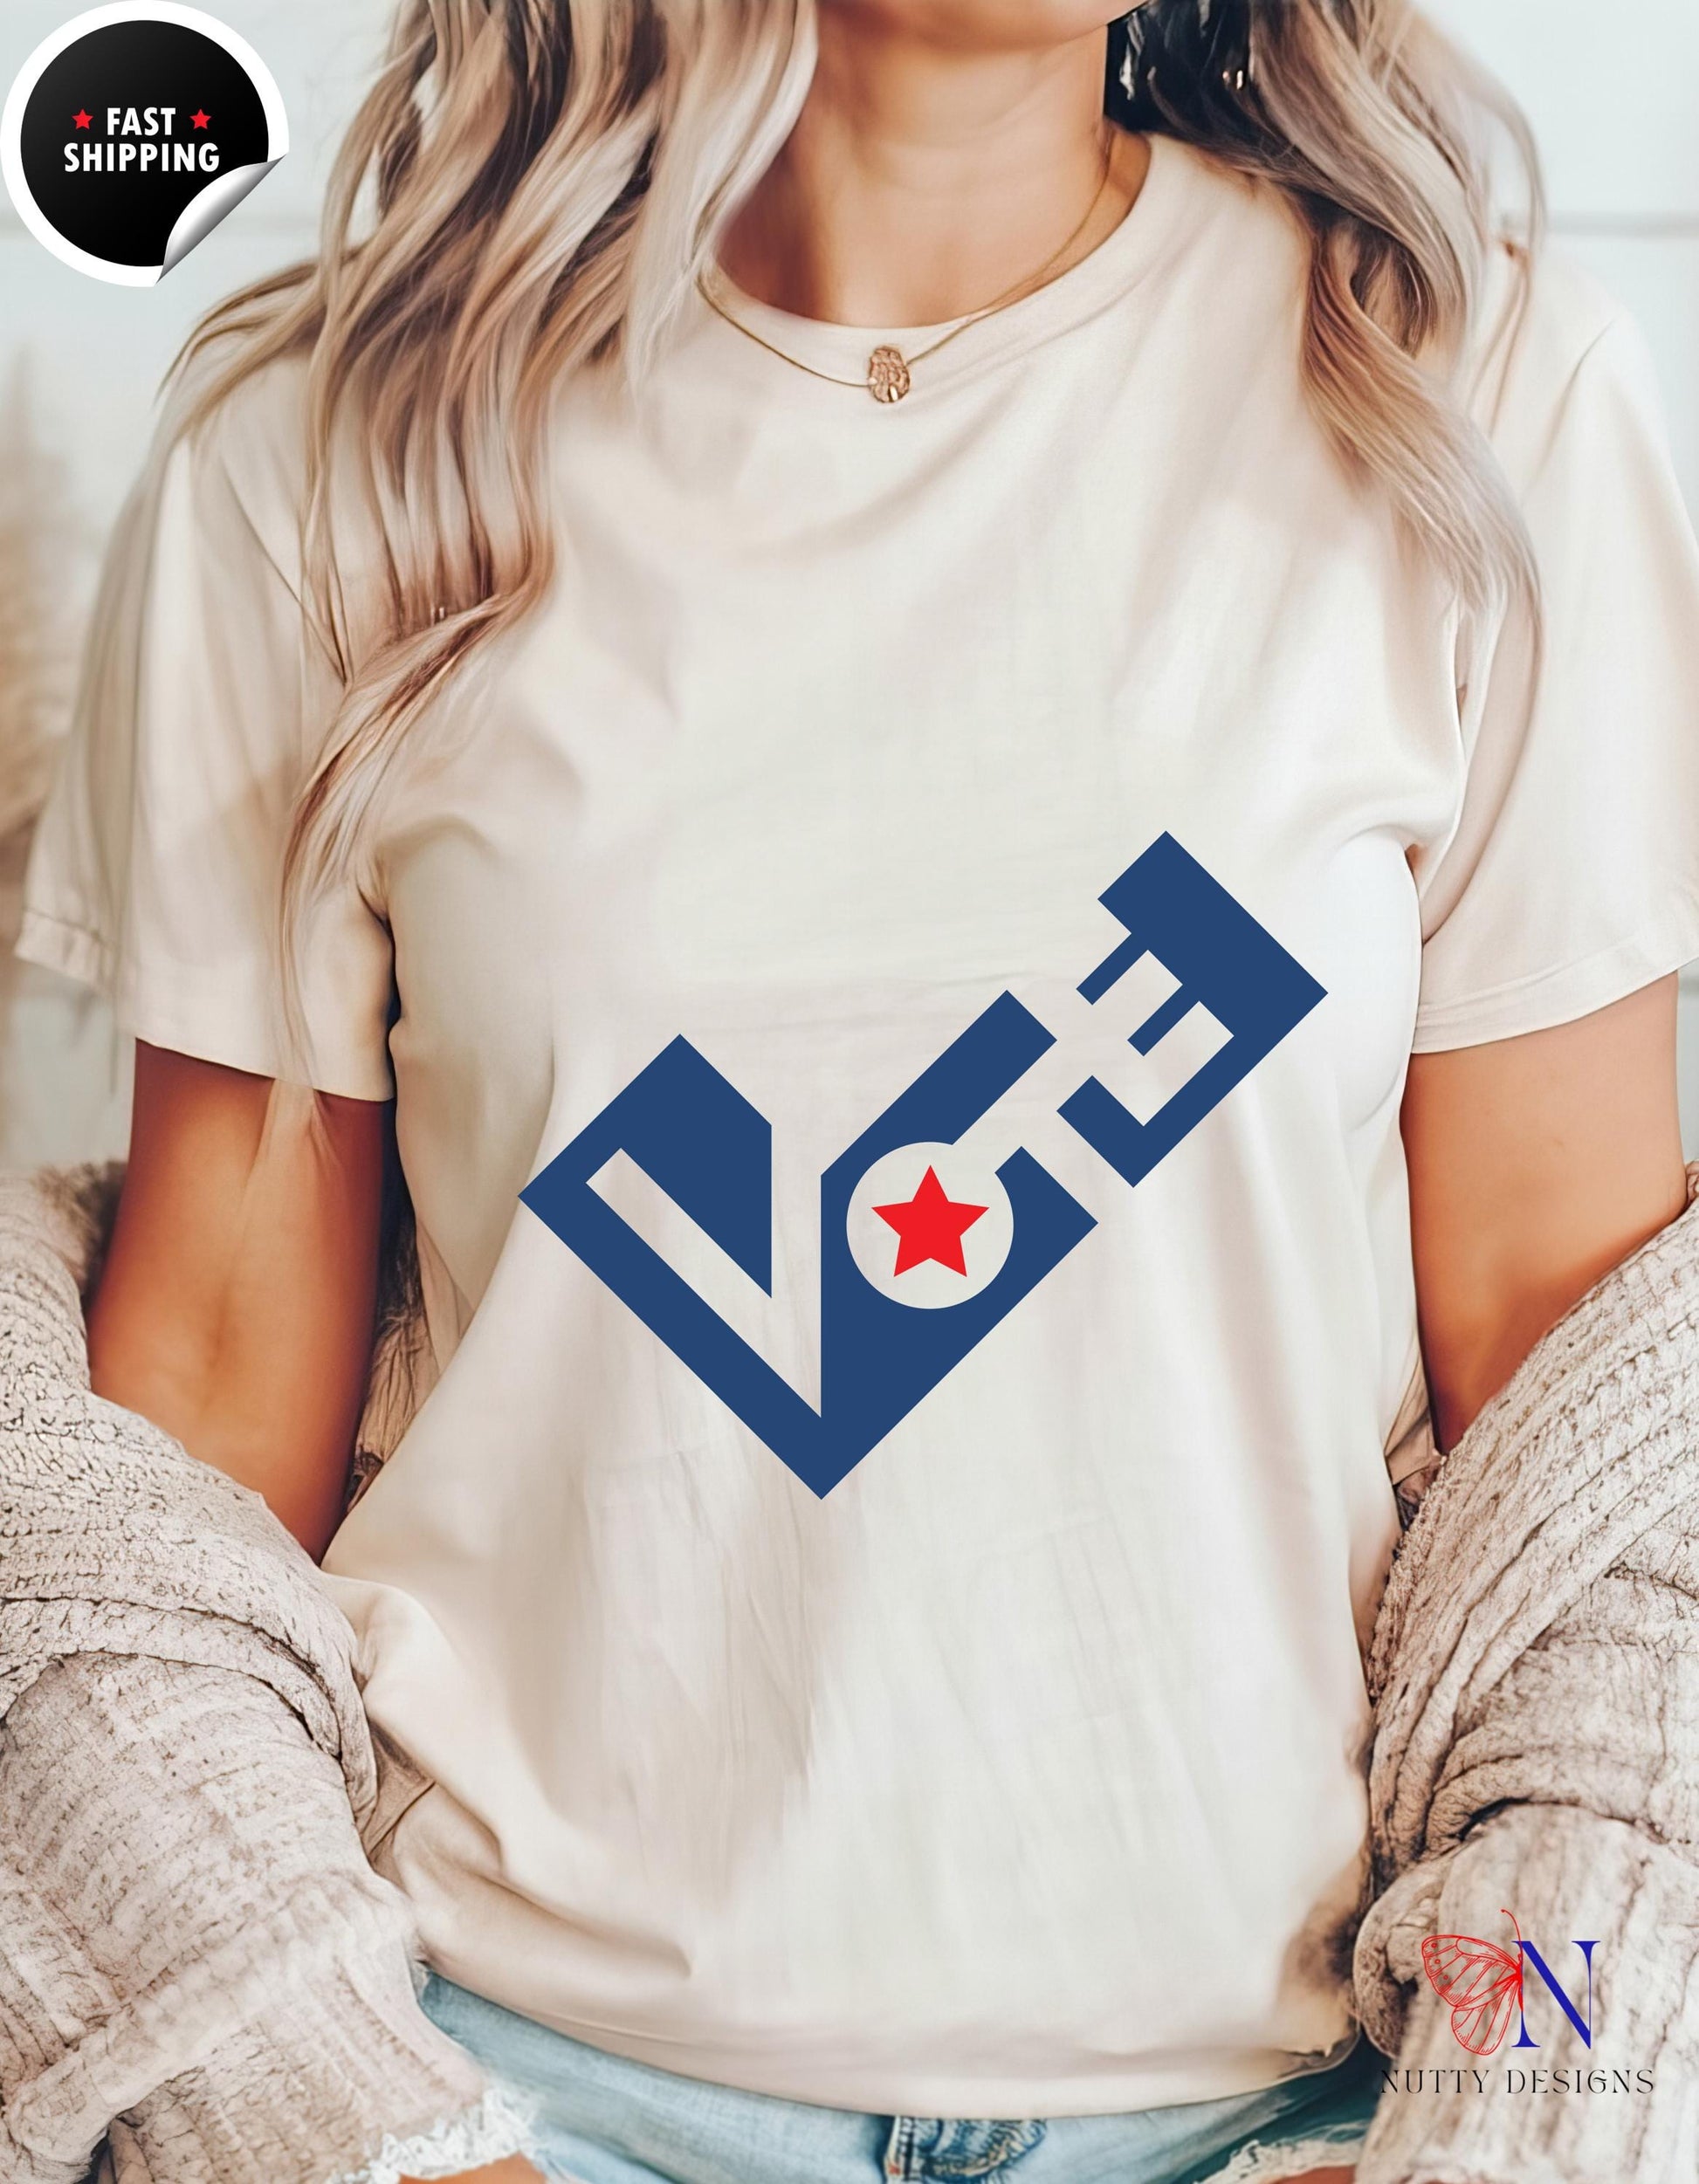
(933, 912)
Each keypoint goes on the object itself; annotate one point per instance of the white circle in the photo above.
(11, 121)
(876, 1243)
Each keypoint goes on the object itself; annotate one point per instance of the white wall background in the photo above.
(1614, 93)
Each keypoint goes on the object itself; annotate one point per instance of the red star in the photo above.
(81, 119)
(200, 119)
(931, 1226)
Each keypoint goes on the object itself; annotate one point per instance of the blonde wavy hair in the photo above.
(534, 184)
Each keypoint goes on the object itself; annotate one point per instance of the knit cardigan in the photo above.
(197, 1961)
(1536, 1669)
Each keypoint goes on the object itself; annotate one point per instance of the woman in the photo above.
(835, 1717)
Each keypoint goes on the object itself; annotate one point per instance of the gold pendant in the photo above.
(887, 375)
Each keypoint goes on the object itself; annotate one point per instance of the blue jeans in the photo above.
(603, 2120)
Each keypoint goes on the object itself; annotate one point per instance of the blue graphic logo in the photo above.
(909, 1286)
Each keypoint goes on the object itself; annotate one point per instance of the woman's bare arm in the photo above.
(235, 1309)
(515, 2170)
(1536, 1164)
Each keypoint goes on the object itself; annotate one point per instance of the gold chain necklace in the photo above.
(889, 372)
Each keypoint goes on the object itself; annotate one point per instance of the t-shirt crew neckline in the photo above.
(1100, 279)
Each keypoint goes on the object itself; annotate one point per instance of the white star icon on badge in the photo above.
(930, 1226)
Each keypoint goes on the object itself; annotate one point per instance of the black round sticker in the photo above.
(132, 132)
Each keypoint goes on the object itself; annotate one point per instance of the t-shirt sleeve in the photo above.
(156, 871)
(1571, 878)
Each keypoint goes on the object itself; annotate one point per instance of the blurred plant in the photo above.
(40, 554)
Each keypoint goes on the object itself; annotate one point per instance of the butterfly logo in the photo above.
(1482, 1983)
